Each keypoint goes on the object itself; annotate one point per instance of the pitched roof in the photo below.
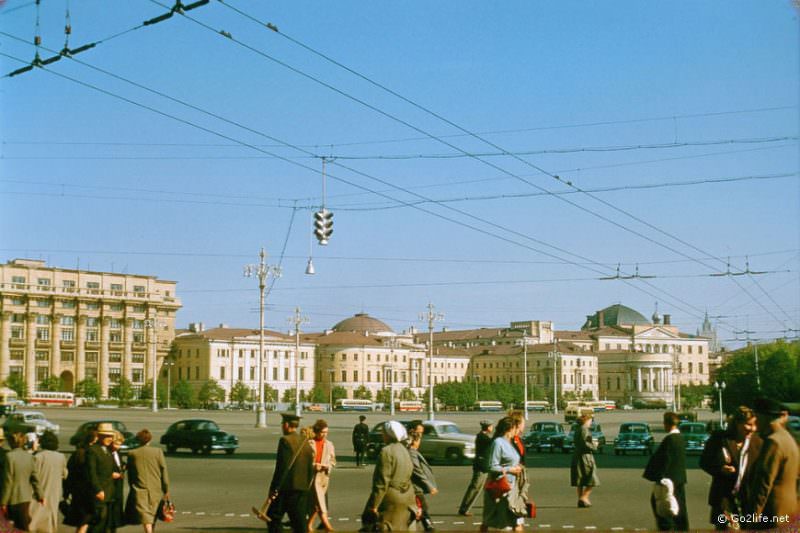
(227, 334)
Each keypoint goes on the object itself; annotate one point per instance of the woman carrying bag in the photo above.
(503, 505)
(583, 470)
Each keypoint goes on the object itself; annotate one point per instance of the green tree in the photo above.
(270, 393)
(88, 388)
(122, 391)
(692, 395)
(146, 392)
(17, 383)
(339, 393)
(383, 396)
(210, 392)
(183, 394)
(407, 394)
(288, 396)
(362, 393)
(317, 395)
(51, 384)
(240, 393)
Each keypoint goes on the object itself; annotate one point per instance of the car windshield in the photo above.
(34, 416)
(692, 428)
(119, 426)
(207, 426)
(637, 428)
(447, 428)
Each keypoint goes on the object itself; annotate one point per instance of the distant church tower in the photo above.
(710, 333)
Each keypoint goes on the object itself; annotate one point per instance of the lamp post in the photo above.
(555, 355)
(720, 386)
(152, 324)
(169, 362)
(525, 375)
(431, 315)
(296, 320)
(392, 343)
(330, 391)
(261, 271)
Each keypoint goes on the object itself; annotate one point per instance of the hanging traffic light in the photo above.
(323, 225)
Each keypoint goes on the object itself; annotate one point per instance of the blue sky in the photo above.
(627, 96)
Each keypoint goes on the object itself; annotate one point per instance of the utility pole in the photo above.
(431, 315)
(261, 271)
(296, 321)
(525, 374)
(555, 355)
(152, 324)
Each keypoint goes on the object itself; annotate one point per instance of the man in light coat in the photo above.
(772, 495)
(20, 483)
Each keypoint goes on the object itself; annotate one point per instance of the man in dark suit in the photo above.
(669, 462)
(772, 495)
(482, 442)
(360, 437)
(291, 482)
(100, 467)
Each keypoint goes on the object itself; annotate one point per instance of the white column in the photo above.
(650, 379)
(639, 379)
(5, 351)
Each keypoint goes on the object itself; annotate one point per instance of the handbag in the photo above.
(166, 511)
(498, 486)
(531, 509)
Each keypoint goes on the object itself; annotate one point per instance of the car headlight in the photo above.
(213, 438)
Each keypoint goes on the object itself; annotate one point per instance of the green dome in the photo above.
(615, 315)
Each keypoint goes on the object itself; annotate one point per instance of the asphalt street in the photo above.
(215, 493)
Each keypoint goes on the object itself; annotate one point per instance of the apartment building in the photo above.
(78, 324)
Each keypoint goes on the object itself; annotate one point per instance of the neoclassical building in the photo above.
(230, 355)
(78, 324)
(364, 351)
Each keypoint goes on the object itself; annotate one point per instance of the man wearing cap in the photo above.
(291, 482)
(360, 437)
(482, 442)
(773, 485)
(100, 467)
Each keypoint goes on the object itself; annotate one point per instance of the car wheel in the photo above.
(195, 451)
(230, 451)
(453, 455)
(206, 449)
(616, 452)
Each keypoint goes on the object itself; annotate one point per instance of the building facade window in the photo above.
(114, 357)
(67, 357)
(114, 374)
(91, 357)
(137, 375)
(137, 357)
(42, 355)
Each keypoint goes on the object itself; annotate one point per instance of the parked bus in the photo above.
(409, 406)
(8, 401)
(488, 405)
(537, 405)
(65, 399)
(354, 405)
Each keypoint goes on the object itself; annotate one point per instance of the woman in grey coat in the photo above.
(149, 482)
(583, 471)
(51, 469)
(392, 496)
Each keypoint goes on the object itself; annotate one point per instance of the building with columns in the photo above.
(78, 324)
(230, 355)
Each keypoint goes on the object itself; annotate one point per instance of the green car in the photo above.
(695, 435)
(634, 436)
(199, 436)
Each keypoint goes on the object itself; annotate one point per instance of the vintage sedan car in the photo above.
(200, 436)
(793, 427)
(598, 437)
(441, 441)
(28, 422)
(544, 436)
(130, 439)
(634, 436)
(695, 435)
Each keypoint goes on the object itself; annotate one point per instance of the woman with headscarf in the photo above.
(324, 461)
(728, 457)
(148, 480)
(51, 468)
(583, 470)
(502, 510)
(392, 497)
(78, 488)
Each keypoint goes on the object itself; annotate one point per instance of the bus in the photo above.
(488, 405)
(64, 399)
(409, 406)
(343, 404)
(537, 405)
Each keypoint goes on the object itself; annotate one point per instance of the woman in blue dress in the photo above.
(503, 510)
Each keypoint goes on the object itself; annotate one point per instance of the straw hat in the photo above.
(119, 438)
(105, 428)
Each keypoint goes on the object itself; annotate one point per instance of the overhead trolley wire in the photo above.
(274, 29)
(665, 295)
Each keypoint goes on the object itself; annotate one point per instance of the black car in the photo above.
(375, 438)
(598, 437)
(130, 443)
(198, 435)
(544, 436)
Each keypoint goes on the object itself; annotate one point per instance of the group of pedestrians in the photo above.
(38, 482)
